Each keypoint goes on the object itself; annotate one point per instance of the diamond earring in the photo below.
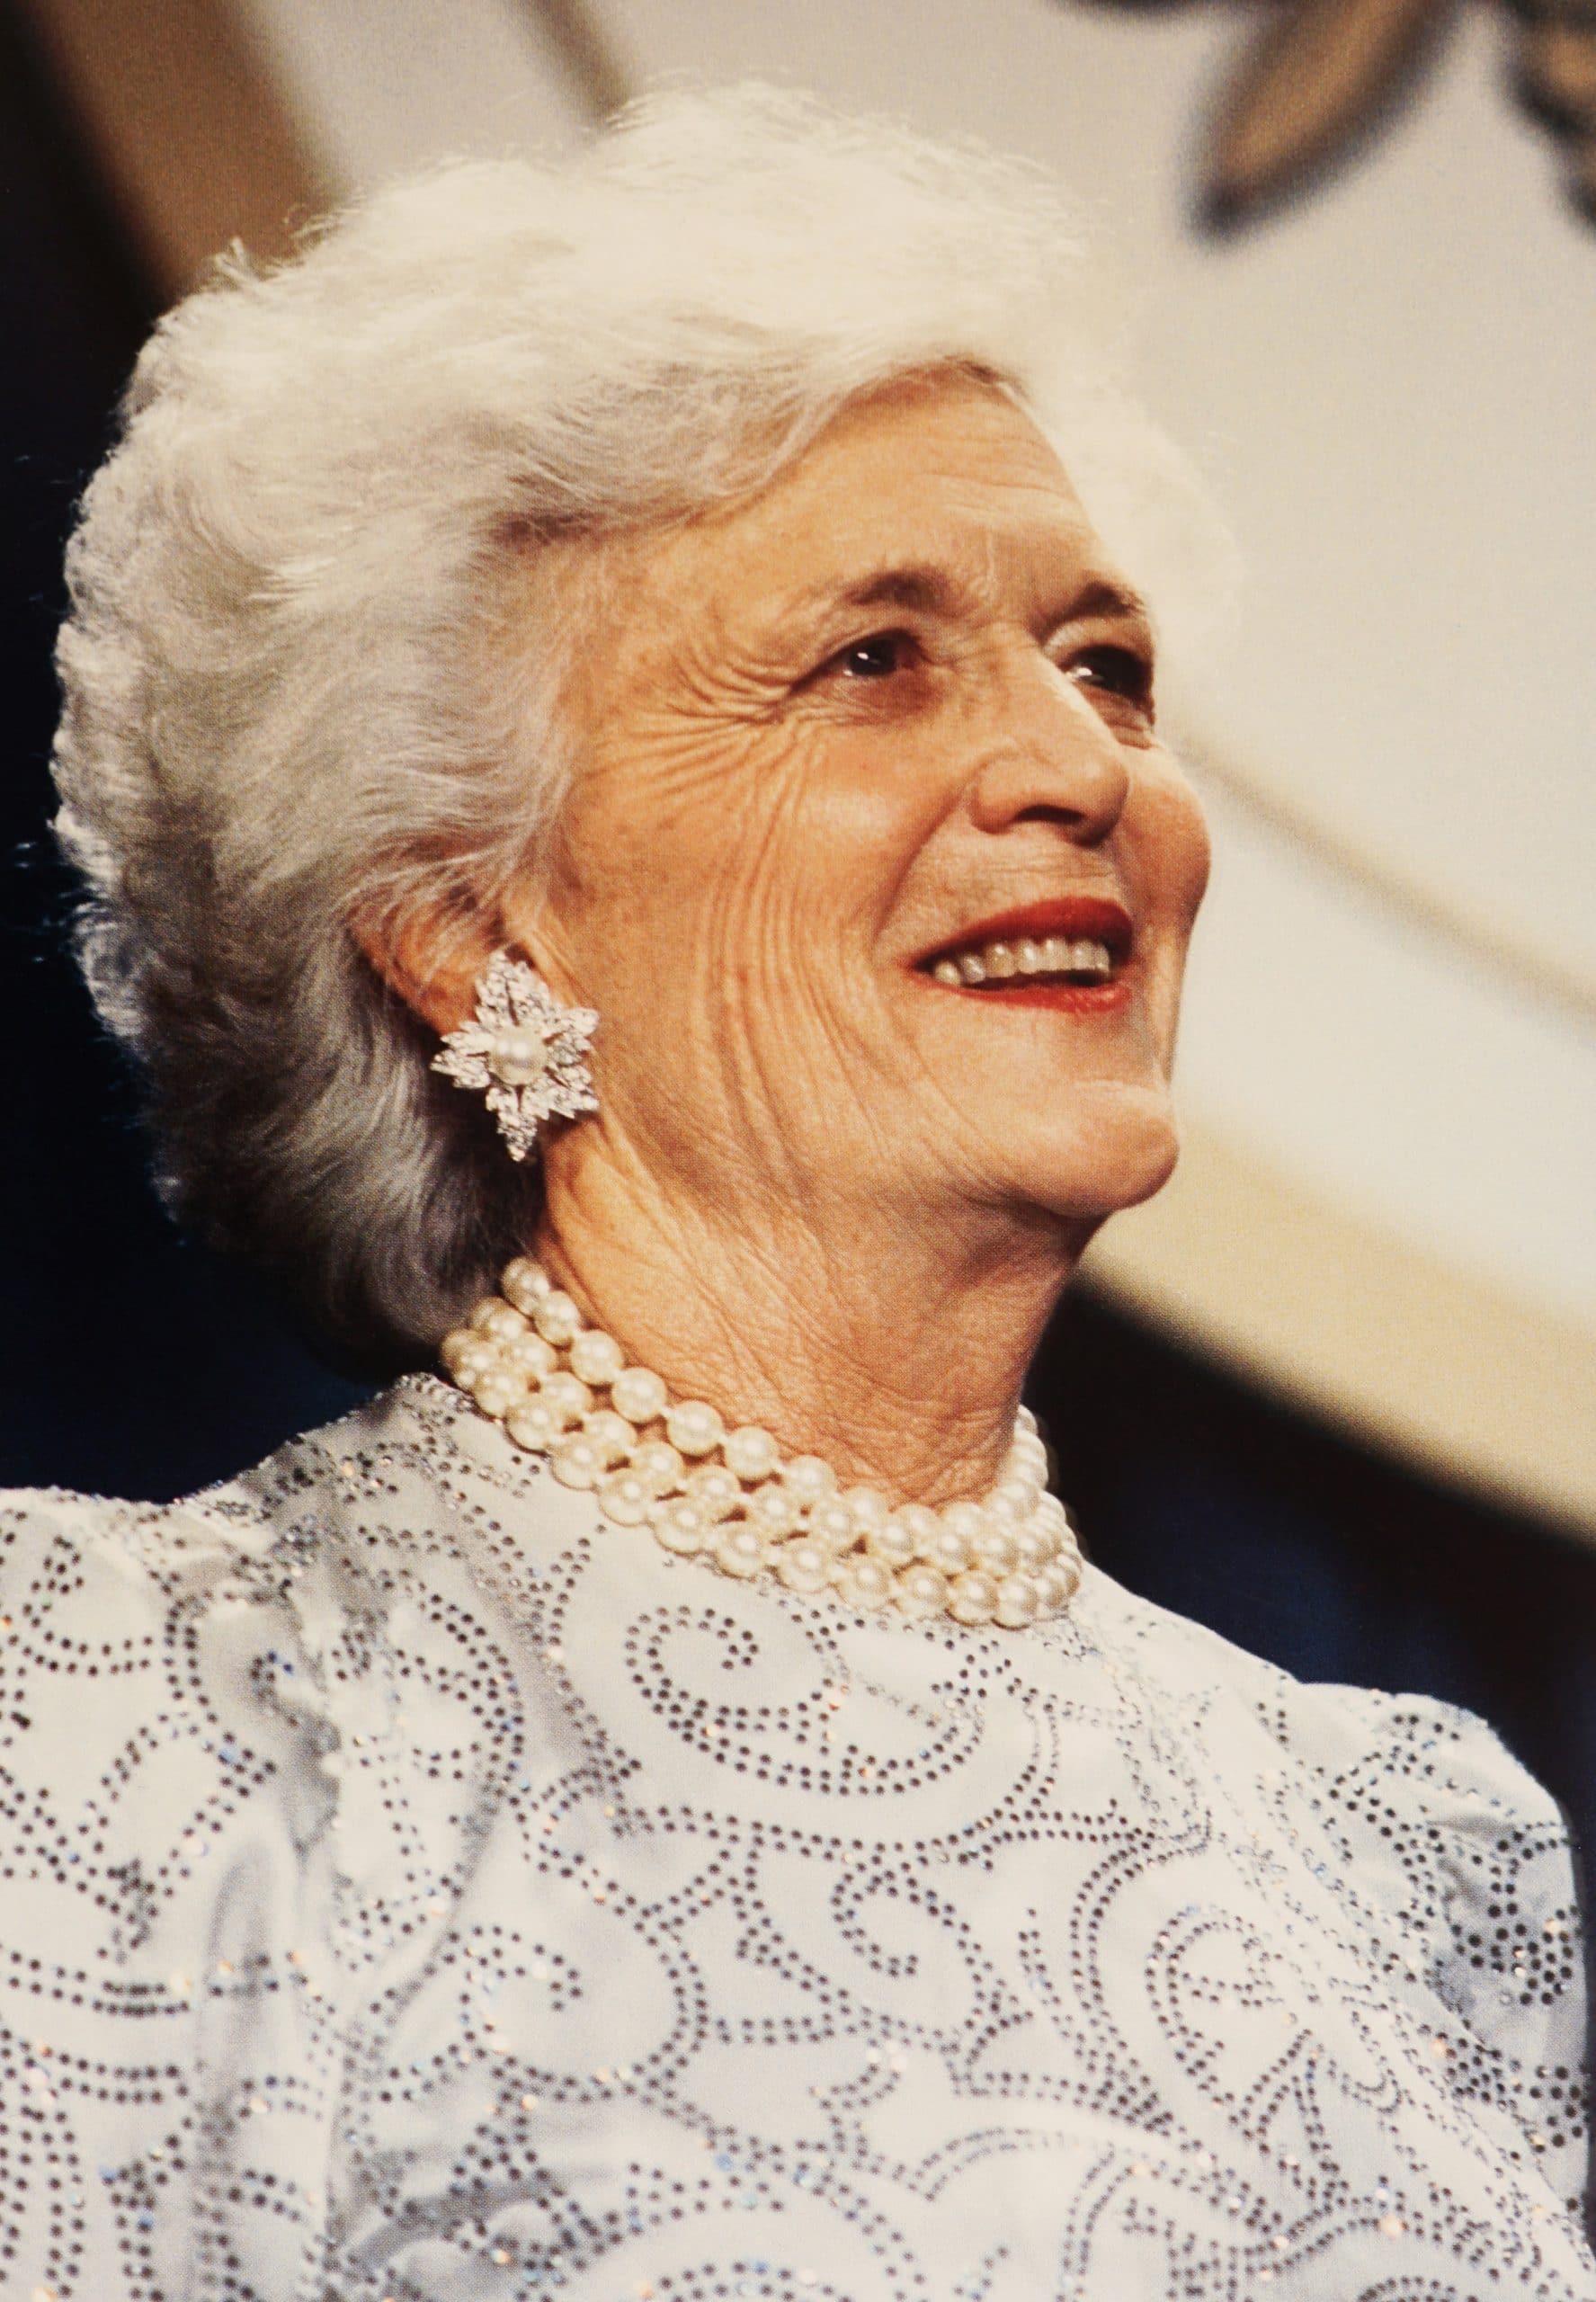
(525, 1049)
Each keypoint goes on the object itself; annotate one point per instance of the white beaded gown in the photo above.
(413, 1886)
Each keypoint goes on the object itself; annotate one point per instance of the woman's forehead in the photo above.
(919, 496)
(879, 456)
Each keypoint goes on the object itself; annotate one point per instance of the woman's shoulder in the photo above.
(133, 1626)
(97, 1551)
(264, 1613)
(1454, 1863)
(178, 1694)
(1415, 1754)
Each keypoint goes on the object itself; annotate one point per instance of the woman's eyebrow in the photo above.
(922, 589)
(1103, 596)
(927, 590)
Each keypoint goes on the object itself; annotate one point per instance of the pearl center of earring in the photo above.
(518, 1056)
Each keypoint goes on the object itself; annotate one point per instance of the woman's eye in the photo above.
(1119, 671)
(875, 658)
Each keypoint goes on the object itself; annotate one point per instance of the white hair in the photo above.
(277, 719)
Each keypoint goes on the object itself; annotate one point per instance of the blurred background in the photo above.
(1334, 1392)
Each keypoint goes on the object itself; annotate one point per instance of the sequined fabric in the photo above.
(415, 1886)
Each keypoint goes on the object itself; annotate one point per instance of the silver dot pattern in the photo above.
(414, 1886)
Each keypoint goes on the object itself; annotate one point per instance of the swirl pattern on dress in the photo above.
(412, 1886)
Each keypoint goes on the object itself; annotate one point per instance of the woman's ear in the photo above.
(433, 961)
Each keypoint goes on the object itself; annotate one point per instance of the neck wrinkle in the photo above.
(896, 1360)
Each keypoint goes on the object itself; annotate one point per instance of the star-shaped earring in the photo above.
(526, 1051)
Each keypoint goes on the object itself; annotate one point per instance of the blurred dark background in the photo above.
(137, 1363)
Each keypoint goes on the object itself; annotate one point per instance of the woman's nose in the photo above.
(1055, 762)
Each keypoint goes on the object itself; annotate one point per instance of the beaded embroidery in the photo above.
(409, 1889)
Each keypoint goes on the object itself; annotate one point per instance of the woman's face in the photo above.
(894, 710)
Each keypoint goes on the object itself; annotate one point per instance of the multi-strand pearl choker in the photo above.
(727, 1496)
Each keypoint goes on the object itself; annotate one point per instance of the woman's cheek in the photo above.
(1174, 852)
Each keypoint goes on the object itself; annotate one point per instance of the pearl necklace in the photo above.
(727, 1496)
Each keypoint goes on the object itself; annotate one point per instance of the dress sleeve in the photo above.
(1480, 1877)
(168, 2064)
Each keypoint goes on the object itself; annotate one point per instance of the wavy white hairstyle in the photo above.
(284, 708)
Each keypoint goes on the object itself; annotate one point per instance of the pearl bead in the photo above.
(893, 1544)
(625, 1499)
(556, 1318)
(772, 1511)
(529, 1356)
(997, 1548)
(611, 1434)
(1017, 1599)
(804, 1565)
(518, 1056)
(491, 1366)
(973, 1597)
(1046, 1536)
(1062, 1577)
(831, 1523)
(501, 1320)
(866, 1507)
(693, 1427)
(658, 1465)
(638, 1394)
(965, 1519)
(566, 1395)
(715, 1490)
(463, 1348)
(947, 1550)
(487, 1365)
(496, 1394)
(534, 1425)
(1050, 1513)
(811, 1479)
(922, 1591)
(1028, 1459)
(863, 1582)
(596, 1357)
(750, 1452)
(923, 1523)
(1030, 1549)
(577, 1463)
(679, 1525)
(740, 1551)
(525, 1283)
(1015, 1498)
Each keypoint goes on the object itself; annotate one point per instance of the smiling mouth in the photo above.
(1054, 959)
(1072, 953)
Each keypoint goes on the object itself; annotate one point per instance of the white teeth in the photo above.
(1028, 955)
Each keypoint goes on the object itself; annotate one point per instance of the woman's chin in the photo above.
(1092, 1170)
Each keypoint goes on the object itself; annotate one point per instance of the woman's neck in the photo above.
(897, 1355)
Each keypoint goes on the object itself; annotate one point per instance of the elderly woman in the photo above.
(617, 776)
